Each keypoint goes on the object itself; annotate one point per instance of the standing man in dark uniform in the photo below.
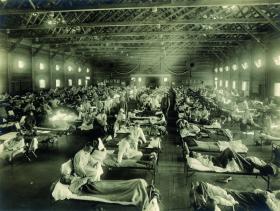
(172, 98)
(165, 104)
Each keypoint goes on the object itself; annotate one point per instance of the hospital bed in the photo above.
(213, 147)
(111, 163)
(62, 191)
(153, 145)
(49, 135)
(203, 195)
(192, 165)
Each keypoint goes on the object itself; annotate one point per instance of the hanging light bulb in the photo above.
(154, 9)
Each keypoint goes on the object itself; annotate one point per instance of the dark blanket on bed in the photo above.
(244, 164)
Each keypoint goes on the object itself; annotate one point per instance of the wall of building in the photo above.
(125, 70)
(253, 64)
(23, 69)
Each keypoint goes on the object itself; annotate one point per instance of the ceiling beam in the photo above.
(138, 34)
(32, 4)
(135, 47)
(135, 41)
(140, 5)
(37, 50)
(273, 23)
(142, 23)
(15, 45)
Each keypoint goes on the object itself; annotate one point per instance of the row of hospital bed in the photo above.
(200, 150)
(141, 189)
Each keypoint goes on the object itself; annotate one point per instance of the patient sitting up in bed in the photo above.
(85, 165)
(123, 192)
(126, 150)
(13, 147)
(137, 136)
(188, 129)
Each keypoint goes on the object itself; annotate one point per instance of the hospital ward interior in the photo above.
(140, 105)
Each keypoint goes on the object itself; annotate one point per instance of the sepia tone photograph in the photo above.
(140, 105)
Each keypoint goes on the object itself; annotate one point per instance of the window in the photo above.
(221, 83)
(216, 82)
(79, 69)
(42, 83)
(258, 63)
(69, 68)
(234, 67)
(277, 60)
(165, 79)
(87, 70)
(234, 84)
(133, 79)
(227, 68)
(20, 64)
(70, 82)
(226, 83)
(57, 67)
(79, 82)
(41, 66)
(221, 69)
(244, 66)
(139, 79)
(57, 83)
(277, 89)
(87, 78)
(216, 70)
(244, 85)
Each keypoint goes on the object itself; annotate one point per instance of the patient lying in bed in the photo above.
(123, 192)
(209, 197)
(218, 146)
(229, 161)
(267, 138)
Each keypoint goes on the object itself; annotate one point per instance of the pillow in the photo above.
(61, 192)
(66, 168)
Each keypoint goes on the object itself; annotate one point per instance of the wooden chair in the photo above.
(31, 149)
